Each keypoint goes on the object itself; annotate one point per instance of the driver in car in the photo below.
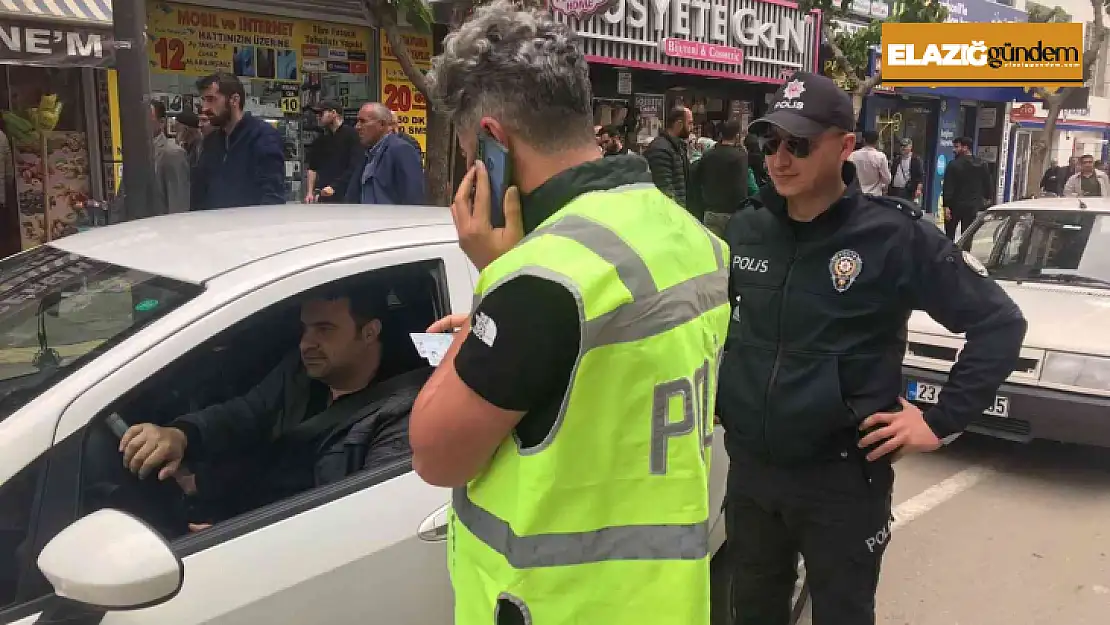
(282, 437)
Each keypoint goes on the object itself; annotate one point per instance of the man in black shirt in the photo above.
(823, 280)
(261, 447)
(966, 189)
(719, 180)
(332, 157)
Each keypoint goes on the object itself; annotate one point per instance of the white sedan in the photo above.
(175, 312)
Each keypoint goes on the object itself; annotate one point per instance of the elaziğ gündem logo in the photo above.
(964, 55)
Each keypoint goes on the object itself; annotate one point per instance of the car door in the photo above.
(368, 547)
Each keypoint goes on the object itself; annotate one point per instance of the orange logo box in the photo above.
(982, 55)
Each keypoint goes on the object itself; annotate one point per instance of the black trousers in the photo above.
(963, 217)
(835, 514)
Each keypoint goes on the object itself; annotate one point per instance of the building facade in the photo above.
(720, 58)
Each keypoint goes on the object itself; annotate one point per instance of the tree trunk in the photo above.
(1053, 104)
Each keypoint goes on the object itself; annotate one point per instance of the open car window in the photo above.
(59, 310)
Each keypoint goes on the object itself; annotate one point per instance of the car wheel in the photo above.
(720, 589)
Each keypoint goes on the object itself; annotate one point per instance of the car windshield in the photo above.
(60, 310)
(1043, 246)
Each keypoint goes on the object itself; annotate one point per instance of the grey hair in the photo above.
(380, 111)
(520, 67)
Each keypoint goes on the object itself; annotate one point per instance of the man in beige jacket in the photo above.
(1089, 182)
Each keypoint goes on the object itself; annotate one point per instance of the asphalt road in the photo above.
(995, 533)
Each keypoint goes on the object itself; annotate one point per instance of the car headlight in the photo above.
(1091, 372)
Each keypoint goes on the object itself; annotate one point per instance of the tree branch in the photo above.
(838, 54)
(869, 84)
(385, 16)
(1098, 38)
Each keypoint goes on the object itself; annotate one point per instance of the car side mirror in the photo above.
(113, 561)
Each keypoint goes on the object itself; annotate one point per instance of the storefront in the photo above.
(47, 115)
(720, 58)
(1078, 133)
(286, 64)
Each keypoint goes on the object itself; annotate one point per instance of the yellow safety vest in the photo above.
(606, 521)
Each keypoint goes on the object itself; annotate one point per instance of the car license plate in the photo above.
(930, 393)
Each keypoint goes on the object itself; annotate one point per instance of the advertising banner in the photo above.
(24, 42)
(399, 94)
(996, 54)
(199, 41)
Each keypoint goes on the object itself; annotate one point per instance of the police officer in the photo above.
(823, 280)
(573, 411)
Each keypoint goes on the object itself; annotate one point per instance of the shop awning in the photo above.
(86, 12)
(58, 33)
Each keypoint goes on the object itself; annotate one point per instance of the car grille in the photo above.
(1015, 429)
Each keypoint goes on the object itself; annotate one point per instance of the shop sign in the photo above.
(41, 43)
(398, 93)
(870, 8)
(579, 8)
(685, 49)
(984, 11)
(775, 36)
(198, 41)
(624, 83)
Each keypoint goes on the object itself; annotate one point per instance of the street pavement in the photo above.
(989, 532)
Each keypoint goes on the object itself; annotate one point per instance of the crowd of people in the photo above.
(1083, 176)
(226, 157)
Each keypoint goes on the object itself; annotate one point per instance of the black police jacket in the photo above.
(818, 330)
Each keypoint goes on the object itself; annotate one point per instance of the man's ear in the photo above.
(372, 330)
(495, 129)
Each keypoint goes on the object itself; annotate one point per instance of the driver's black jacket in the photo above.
(805, 361)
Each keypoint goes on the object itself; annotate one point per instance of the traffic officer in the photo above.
(573, 411)
(823, 281)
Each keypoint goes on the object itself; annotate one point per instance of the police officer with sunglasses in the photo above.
(823, 280)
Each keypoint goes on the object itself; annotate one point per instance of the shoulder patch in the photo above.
(906, 207)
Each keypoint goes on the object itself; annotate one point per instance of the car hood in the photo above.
(1061, 317)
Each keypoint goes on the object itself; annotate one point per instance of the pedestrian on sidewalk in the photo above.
(390, 170)
(332, 157)
(872, 166)
(907, 174)
(966, 188)
(719, 180)
(242, 161)
(668, 158)
(580, 474)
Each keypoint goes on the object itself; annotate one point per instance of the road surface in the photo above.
(995, 533)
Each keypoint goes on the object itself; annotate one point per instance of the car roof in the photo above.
(197, 246)
(1093, 204)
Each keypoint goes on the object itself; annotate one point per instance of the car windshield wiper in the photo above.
(1069, 278)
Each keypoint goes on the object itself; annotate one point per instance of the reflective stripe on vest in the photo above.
(651, 312)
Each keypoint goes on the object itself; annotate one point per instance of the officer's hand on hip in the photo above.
(904, 432)
(478, 238)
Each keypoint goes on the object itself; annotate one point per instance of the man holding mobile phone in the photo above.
(573, 412)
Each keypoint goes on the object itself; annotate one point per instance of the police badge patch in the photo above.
(974, 265)
(844, 267)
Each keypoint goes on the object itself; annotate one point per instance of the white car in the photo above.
(157, 311)
(1052, 256)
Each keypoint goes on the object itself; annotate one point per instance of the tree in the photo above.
(1054, 100)
(851, 49)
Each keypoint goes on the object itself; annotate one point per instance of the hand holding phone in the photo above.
(482, 242)
(495, 157)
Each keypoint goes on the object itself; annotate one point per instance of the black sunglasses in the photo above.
(798, 147)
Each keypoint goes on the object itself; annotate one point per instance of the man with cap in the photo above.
(907, 173)
(823, 279)
(332, 157)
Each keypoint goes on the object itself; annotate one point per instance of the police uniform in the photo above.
(604, 326)
(815, 346)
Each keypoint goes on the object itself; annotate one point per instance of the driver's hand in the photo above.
(309, 198)
(147, 447)
(186, 480)
(327, 191)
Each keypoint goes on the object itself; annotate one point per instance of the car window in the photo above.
(58, 310)
(280, 430)
(1044, 246)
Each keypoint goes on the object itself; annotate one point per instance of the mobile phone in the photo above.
(499, 167)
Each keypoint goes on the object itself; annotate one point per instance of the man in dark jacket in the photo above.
(391, 170)
(719, 180)
(332, 157)
(242, 163)
(265, 446)
(670, 165)
(967, 188)
(907, 174)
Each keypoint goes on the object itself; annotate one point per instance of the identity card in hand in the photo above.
(433, 347)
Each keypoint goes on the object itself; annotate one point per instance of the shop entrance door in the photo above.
(1019, 182)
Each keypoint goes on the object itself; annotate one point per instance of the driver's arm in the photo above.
(942, 283)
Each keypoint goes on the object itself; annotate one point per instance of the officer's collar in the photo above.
(600, 174)
(832, 217)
